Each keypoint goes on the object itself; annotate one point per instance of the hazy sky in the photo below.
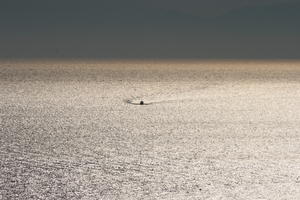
(209, 8)
(150, 28)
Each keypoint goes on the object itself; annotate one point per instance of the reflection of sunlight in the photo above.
(204, 126)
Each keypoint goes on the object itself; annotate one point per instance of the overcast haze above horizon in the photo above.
(150, 29)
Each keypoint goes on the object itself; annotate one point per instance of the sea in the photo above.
(207, 129)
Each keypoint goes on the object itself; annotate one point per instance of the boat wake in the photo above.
(168, 97)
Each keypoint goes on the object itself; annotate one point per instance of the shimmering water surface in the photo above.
(207, 130)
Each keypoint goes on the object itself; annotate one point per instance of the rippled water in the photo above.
(208, 130)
